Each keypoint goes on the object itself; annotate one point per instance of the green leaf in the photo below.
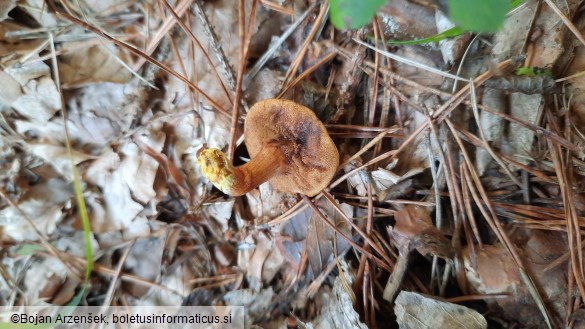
(479, 15)
(29, 249)
(452, 32)
(353, 14)
(534, 71)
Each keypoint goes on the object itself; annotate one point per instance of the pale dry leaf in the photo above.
(96, 116)
(258, 271)
(29, 71)
(359, 180)
(42, 275)
(546, 49)
(293, 235)
(102, 6)
(267, 202)
(44, 205)
(291, 243)
(89, 65)
(44, 216)
(338, 311)
(73, 243)
(217, 128)
(39, 10)
(221, 211)
(144, 260)
(406, 20)
(266, 84)
(188, 133)
(5, 7)
(31, 92)
(125, 179)
(13, 267)
(273, 264)
(258, 303)
(223, 17)
(414, 310)
(11, 90)
(58, 157)
(383, 178)
(453, 48)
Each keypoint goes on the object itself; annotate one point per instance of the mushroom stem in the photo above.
(240, 180)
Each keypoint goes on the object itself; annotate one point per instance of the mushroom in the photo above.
(288, 146)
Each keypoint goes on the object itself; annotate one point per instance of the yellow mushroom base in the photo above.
(217, 169)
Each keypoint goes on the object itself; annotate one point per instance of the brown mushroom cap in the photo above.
(311, 156)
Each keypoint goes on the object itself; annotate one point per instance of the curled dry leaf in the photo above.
(414, 229)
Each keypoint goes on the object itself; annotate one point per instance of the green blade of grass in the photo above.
(452, 32)
(76, 181)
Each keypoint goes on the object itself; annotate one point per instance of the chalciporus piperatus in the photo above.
(288, 146)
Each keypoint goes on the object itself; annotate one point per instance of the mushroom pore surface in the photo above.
(311, 157)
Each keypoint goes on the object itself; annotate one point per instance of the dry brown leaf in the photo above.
(496, 272)
(94, 64)
(14, 49)
(320, 236)
(414, 229)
